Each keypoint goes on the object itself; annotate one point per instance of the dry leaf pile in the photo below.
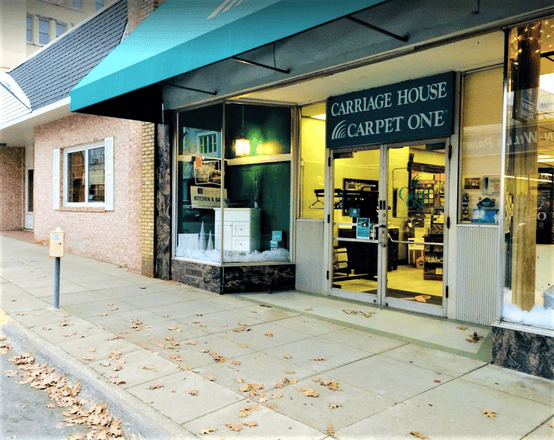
(334, 405)
(474, 337)
(97, 418)
(308, 392)
(331, 384)
(4, 348)
(253, 389)
(207, 431)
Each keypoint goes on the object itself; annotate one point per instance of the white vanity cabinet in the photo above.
(241, 229)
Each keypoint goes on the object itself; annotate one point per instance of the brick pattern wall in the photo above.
(12, 188)
(147, 252)
(112, 236)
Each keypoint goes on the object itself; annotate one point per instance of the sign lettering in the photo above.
(412, 110)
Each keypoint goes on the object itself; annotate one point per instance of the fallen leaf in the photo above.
(320, 359)
(210, 378)
(92, 349)
(551, 425)
(462, 327)
(149, 367)
(279, 385)
(234, 426)
(160, 345)
(114, 309)
(2, 338)
(203, 325)
(419, 435)
(155, 387)
(489, 413)
(242, 324)
(250, 423)
(199, 314)
(196, 322)
(114, 338)
(316, 379)
(118, 368)
(218, 358)
(271, 405)
(177, 357)
(241, 329)
(191, 343)
(244, 414)
(116, 381)
(263, 400)
(290, 381)
(10, 373)
(65, 324)
(89, 359)
(205, 350)
(330, 430)
(50, 405)
(269, 334)
(165, 316)
(104, 314)
(184, 367)
(70, 334)
(332, 385)
(193, 392)
(290, 372)
(225, 325)
(46, 329)
(308, 310)
(308, 392)
(243, 345)
(110, 304)
(206, 431)
(239, 380)
(335, 405)
(436, 381)
(276, 396)
(236, 362)
(287, 356)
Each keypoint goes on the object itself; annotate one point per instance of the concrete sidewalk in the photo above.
(198, 365)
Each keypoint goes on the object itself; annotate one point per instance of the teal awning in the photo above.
(184, 35)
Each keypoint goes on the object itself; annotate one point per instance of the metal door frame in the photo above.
(382, 263)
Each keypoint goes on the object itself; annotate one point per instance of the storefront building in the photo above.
(408, 165)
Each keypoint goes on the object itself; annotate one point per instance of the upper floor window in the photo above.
(29, 29)
(43, 32)
(208, 143)
(60, 29)
(99, 4)
(78, 4)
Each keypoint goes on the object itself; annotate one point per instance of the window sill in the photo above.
(82, 209)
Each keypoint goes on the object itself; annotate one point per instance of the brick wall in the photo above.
(148, 133)
(12, 188)
(112, 236)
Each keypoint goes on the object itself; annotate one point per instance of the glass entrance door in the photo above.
(416, 223)
(388, 226)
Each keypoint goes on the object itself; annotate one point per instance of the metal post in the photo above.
(57, 283)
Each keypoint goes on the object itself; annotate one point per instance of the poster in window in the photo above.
(207, 172)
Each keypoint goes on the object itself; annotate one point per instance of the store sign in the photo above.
(206, 198)
(418, 109)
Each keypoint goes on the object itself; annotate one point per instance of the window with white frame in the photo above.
(207, 143)
(87, 175)
(43, 31)
(29, 29)
(60, 29)
(99, 4)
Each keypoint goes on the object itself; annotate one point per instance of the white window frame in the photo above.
(211, 139)
(57, 23)
(107, 204)
(47, 21)
(29, 29)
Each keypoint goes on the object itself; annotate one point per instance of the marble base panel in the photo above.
(523, 351)
(241, 279)
(203, 276)
(234, 279)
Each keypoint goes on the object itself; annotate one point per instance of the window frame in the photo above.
(99, 4)
(60, 24)
(85, 149)
(43, 20)
(29, 29)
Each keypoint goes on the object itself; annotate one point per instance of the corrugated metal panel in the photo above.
(476, 274)
(309, 255)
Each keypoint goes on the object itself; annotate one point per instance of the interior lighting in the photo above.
(242, 143)
(547, 83)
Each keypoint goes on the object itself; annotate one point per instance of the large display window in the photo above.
(481, 147)
(234, 184)
(529, 177)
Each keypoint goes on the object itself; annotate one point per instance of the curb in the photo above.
(140, 420)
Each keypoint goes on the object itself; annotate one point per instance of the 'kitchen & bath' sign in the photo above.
(418, 109)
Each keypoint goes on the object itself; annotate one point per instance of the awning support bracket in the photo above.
(188, 88)
(265, 66)
(404, 38)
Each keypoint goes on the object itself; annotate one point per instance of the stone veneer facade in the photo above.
(112, 236)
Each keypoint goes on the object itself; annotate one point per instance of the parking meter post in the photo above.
(57, 283)
(57, 250)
